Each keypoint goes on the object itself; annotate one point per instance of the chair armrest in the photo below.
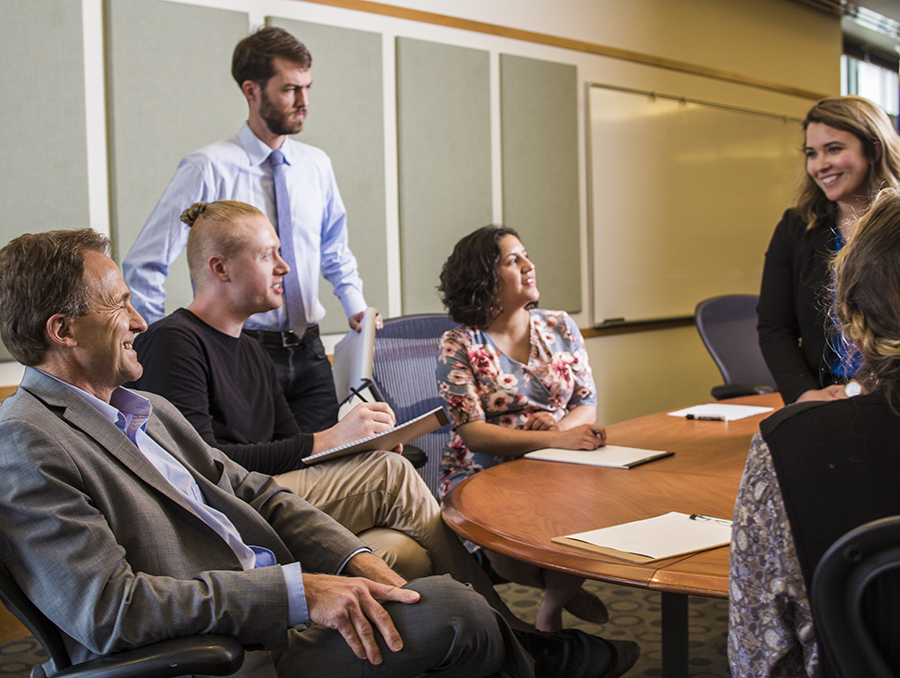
(207, 654)
(737, 390)
(415, 456)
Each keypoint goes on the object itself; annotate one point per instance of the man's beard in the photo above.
(277, 122)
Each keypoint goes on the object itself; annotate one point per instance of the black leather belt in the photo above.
(283, 339)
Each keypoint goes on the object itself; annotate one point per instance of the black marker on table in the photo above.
(702, 417)
(709, 519)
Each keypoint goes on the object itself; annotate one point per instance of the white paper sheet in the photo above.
(721, 411)
(661, 537)
(613, 456)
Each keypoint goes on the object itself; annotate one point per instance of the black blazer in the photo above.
(794, 300)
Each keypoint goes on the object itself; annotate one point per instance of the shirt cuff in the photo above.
(298, 612)
(364, 549)
(353, 302)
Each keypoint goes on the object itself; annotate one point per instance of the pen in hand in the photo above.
(599, 435)
(358, 394)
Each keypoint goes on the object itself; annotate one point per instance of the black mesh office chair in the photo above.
(210, 654)
(727, 326)
(404, 374)
(855, 601)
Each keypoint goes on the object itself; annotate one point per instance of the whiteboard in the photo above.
(684, 197)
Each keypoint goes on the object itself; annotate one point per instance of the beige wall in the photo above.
(783, 41)
(779, 42)
(647, 372)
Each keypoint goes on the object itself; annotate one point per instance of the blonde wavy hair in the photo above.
(880, 143)
(867, 296)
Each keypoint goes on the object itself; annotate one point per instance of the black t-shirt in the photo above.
(227, 389)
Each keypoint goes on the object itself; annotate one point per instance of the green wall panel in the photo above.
(539, 118)
(170, 93)
(43, 164)
(346, 120)
(444, 156)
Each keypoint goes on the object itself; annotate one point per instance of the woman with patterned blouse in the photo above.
(514, 379)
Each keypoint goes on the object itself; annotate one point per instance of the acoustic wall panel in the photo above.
(444, 156)
(539, 117)
(170, 92)
(346, 120)
(43, 166)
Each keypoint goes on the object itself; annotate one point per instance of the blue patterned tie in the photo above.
(293, 300)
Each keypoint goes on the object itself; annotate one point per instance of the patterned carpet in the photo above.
(634, 615)
(18, 656)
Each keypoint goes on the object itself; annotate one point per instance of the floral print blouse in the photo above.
(770, 627)
(479, 382)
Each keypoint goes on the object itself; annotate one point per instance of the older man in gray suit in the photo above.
(125, 528)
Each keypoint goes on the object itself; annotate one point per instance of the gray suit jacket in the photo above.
(109, 550)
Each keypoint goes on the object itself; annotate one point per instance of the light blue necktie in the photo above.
(296, 314)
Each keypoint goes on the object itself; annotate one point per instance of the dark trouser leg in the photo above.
(304, 373)
(450, 631)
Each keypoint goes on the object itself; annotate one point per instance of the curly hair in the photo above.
(867, 296)
(469, 276)
(42, 274)
(872, 126)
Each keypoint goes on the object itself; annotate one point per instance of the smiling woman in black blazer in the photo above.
(851, 151)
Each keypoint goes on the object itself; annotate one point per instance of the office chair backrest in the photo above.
(202, 654)
(855, 601)
(727, 326)
(44, 630)
(406, 351)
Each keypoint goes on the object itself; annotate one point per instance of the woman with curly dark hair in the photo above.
(514, 379)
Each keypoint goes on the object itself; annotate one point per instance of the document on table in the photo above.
(644, 541)
(399, 435)
(719, 412)
(612, 456)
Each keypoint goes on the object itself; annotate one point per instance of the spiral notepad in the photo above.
(399, 435)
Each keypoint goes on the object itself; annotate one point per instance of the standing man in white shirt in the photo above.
(273, 70)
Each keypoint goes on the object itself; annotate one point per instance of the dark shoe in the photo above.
(571, 653)
(627, 654)
(587, 606)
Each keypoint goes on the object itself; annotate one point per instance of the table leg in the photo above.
(674, 635)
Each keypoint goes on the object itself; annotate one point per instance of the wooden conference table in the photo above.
(517, 507)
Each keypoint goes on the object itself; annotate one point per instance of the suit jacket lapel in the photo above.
(82, 415)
